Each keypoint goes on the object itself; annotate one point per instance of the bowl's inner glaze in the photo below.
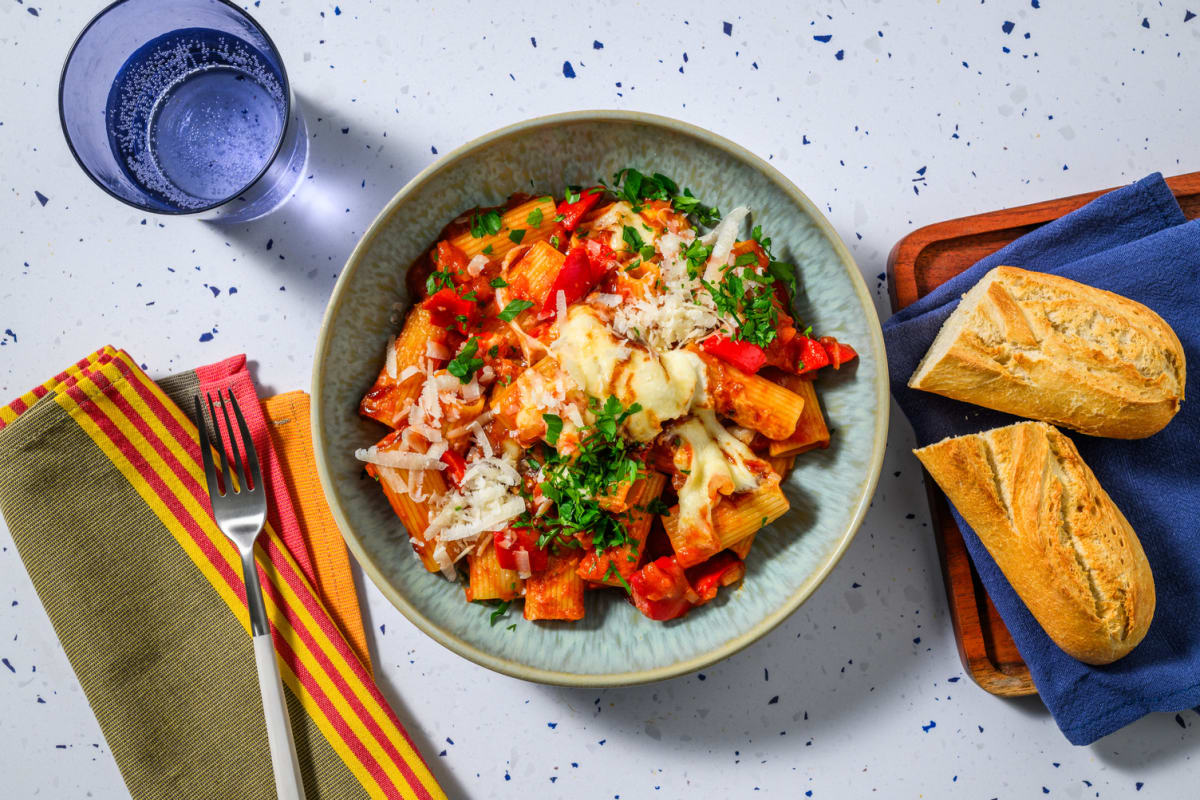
(828, 489)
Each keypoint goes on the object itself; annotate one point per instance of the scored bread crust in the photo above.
(1053, 349)
(1059, 539)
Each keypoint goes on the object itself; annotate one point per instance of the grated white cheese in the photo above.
(436, 350)
(476, 265)
(560, 304)
(722, 239)
(391, 357)
(398, 459)
(481, 504)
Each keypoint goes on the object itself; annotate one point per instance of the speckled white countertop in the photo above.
(889, 116)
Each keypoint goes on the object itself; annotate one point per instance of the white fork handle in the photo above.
(288, 785)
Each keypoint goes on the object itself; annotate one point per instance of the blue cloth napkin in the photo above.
(1136, 242)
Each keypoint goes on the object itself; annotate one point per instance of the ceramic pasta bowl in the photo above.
(829, 489)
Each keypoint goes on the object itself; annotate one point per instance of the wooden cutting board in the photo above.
(919, 263)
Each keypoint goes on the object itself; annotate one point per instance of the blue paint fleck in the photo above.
(955, 679)
(40, 700)
(1145, 22)
(32, 10)
(1188, 16)
(1138, 785)
(553, 778)
(206, 337)
(507, 777)
(449, 740)
(929, 727)
(727, 27)
(856, 585)
(773, 700)
(533, 41)
(1036, 3)
(597, 44)
(1008, 26)
(433, 150)
(337, 11)
(9, 665)
(41, 198)
(839, 55)
(804, 139)
(551, 725)
(1045, 790)
(233, 290)
(345, 131)
(568, 70)
(9, 332)
(442, 754)
(270, 243)
(702, 676)
(823, 38)
(214, 290)
(383, 629)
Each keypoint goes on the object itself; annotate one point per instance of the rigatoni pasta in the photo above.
(596, 393)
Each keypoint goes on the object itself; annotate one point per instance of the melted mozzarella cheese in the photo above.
(718, 466)
(666, 387)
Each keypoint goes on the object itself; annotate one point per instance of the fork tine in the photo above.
(233, 444)
(210, 471)
(220, 446)
(251, 454)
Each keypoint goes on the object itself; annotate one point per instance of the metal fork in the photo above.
(240, 514)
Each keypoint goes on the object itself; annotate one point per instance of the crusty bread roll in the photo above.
(1049, 348)
(1055, 533)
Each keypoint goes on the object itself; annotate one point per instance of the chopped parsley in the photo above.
(745, 259)
(753, 310)
(782, 271)
(634, 241)
(514, 308)
(500, 612)
(439, 280)
(571, 194)
(512, 627)
(657, 506)
(554, 426)
(696, 256)
(554, 242)
(516, 235)
(534, 220)
(635, 188)
(485, 224)
(612, 572)
(494, 350)
(497, 283)
(463, 365)
(487, 251)
(601, 461)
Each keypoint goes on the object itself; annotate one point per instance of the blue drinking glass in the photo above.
(183, 107)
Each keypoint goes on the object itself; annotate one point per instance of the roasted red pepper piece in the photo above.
(839, 353)
(456, 466)
(706, 578)
(810, 354)
(601, 258)
(572, 213)
(445, 306)
(660, 590)
(510, 540)
(573, 280)
(746, 356)
(584, 267)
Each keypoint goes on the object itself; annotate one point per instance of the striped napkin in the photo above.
(101, 486)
